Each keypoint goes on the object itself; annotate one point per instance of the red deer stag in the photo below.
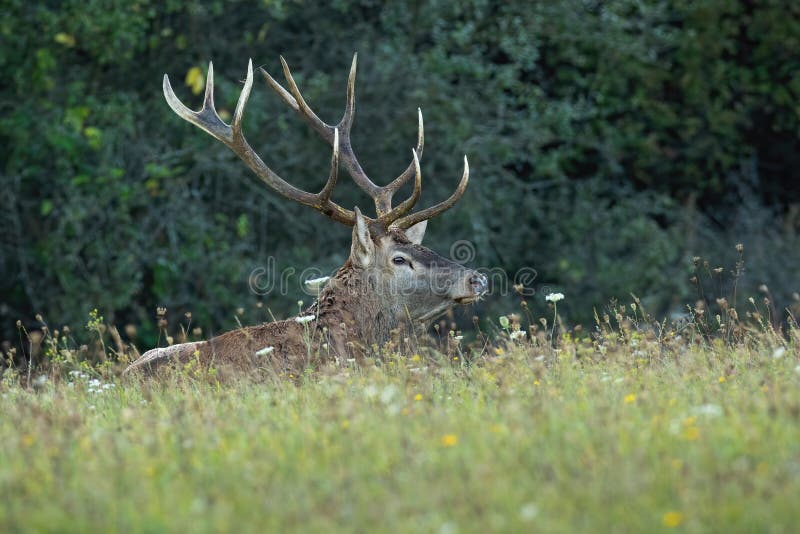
(389, 283)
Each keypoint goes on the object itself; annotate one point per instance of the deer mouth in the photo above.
(434, 313)
(478, 285)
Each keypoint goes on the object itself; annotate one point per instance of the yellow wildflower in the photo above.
(449, 440)
(629, 398)
(721, 379)
(691, 433)
(418, 397)
(672, 519)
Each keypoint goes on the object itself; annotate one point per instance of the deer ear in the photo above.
(417, 232)
(362, 251)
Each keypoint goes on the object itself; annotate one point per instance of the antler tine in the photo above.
(350, 108)
(278, 88)
(206, 119)
(405, 206)
(410, 220)
(244, 97)
(398, 182)
(325, 194)
(232, 136)
(325, 130)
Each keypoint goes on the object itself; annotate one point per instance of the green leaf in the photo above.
(242, 226)
(94, 136)
(46, 207)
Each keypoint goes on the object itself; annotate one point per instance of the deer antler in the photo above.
(232, 136)
(410, 220)
(339, 138)
(382, 196)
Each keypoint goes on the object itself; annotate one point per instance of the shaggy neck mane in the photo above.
(351, 302)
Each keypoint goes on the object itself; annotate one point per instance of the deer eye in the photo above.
(399, 260)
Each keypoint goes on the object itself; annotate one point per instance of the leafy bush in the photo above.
(593, 130)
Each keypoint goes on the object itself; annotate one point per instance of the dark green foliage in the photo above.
(609, 143)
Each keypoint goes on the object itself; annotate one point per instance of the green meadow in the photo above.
(629, 432)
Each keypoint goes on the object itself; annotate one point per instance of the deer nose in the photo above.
(478, 283)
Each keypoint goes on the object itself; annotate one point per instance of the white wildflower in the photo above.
(528, 512)
(675, 426)
(316, 284)
(778, 353)
(539, 358)
(517, 334)
(458, 338)
(554, 297)
(388, 394)
(709, 410)
(303, 319)
(264, 351)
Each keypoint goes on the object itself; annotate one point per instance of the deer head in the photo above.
(407, 280)
(388, 273)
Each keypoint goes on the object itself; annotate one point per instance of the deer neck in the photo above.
(351, 305)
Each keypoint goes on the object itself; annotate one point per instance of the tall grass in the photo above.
(634, 430)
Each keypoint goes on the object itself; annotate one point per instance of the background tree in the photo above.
(610, 143)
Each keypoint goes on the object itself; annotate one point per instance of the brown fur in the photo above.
(356, 311)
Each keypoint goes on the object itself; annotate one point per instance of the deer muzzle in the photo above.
(477, 286)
